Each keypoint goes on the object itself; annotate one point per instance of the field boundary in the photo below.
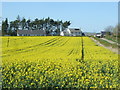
(115, 50)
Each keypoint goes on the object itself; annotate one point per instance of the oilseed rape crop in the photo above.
(58, 62)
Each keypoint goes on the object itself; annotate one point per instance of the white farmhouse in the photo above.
(66, 32)
(71, 32)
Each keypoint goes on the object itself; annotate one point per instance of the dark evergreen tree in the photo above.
(5, 26)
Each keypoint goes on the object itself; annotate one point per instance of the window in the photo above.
(77, 29)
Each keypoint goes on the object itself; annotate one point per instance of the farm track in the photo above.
(71, 52)
(29, 47)
(76, 50)
(50, 43)
(110, 48)
(26, 49)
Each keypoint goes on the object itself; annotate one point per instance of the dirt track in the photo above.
(110, 48)
(109, 41)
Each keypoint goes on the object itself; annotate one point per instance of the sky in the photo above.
(89, 16)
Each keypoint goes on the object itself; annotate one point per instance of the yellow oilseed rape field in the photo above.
(57, 62)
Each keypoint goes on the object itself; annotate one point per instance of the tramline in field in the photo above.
(54, 61)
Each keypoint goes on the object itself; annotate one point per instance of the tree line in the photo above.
(113, 33)
(51, 26)
(110, 30)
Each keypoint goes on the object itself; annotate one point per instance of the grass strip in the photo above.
(106, 43)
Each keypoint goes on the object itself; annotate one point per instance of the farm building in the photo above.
(31, 33)
(66, 32)
(71, 32)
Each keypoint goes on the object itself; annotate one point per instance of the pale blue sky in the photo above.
(90, 16)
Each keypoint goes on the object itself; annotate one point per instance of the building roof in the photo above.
(31, 32)
(75, 30)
